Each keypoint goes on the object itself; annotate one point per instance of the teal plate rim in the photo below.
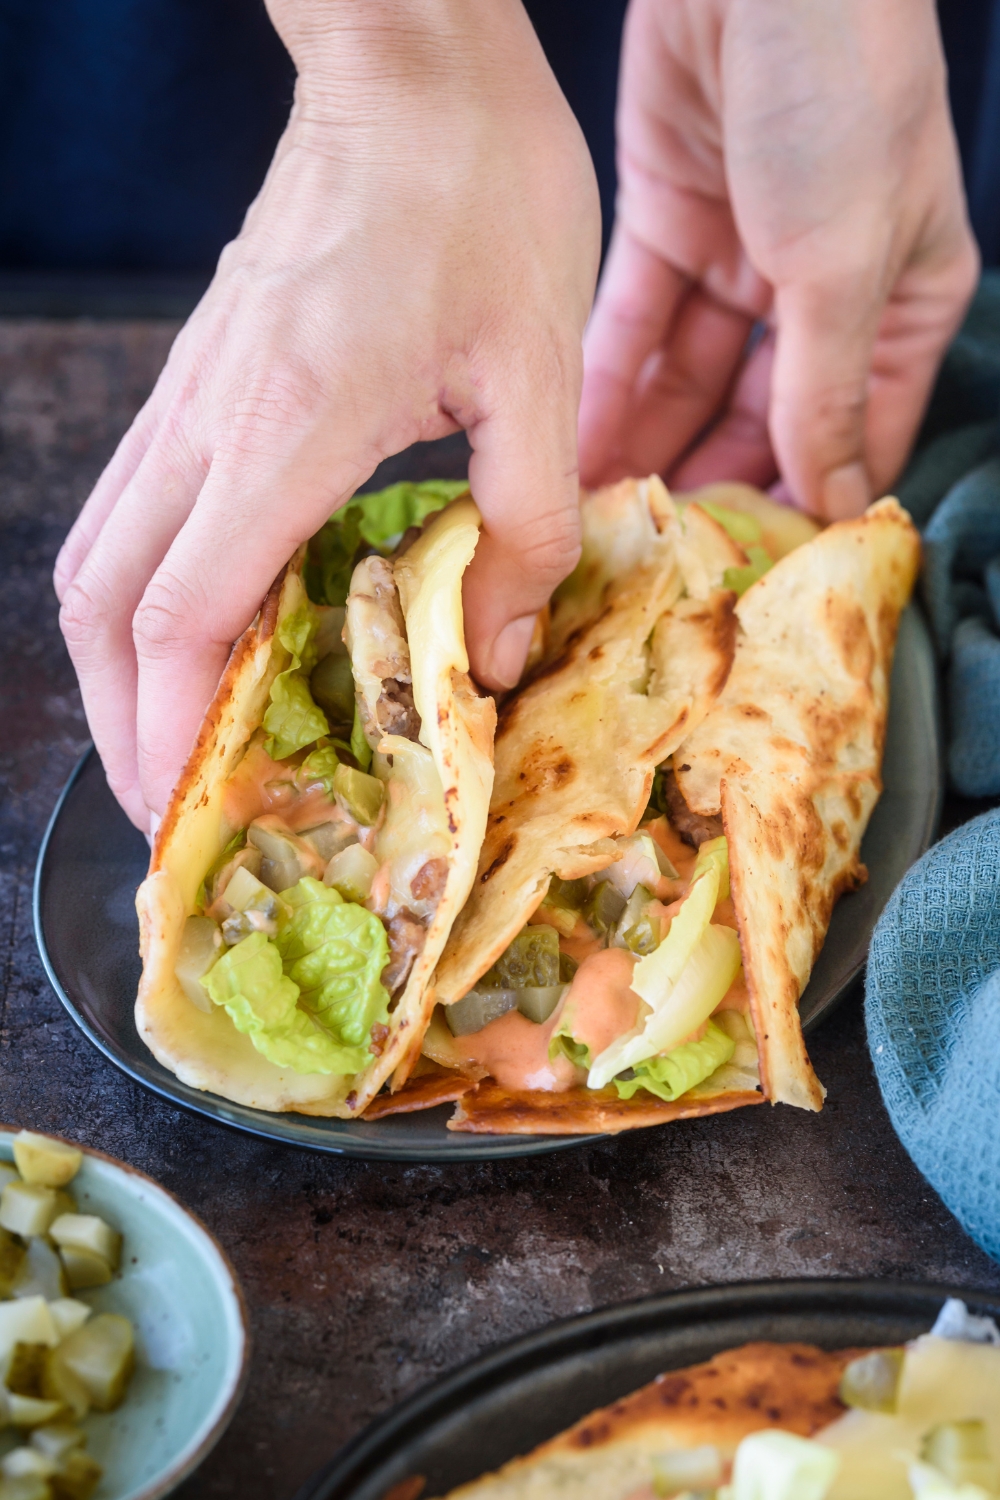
(902, 827)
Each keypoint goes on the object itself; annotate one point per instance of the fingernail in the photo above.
(846, 492)
(510, 649)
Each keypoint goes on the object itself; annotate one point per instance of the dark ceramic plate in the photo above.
(506, 1402)
(92, 860)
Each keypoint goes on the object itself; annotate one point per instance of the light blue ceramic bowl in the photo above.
(181, 1294)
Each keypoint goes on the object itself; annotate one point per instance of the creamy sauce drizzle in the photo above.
(515, 1051)
(261, 785)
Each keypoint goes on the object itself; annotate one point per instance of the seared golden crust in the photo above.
(792, 1386)
(425, 1092)
(487, 1109)
(791, 755)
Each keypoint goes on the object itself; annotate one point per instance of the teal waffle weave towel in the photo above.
(933, 985)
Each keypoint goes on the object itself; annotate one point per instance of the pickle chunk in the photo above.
(41, 1273)
(961, 1452)
(531, 960)
(87, 1232)
(351, 872)
(27, 1208)
(101, 1355)
(45, 1161)
(359, 794)
(872, 1382)
(201, 944)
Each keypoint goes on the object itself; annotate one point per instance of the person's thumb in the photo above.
(826, 333)
(523, 476)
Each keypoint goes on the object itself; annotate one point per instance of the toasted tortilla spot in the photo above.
(205, 1050)
(608, 1454)
(791, 756)
(563, 798)
(426, 1092)
(489, 1109)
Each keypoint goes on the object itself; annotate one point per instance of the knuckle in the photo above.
(85, 615)
(166, 618)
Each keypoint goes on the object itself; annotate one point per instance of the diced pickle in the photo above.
(871, 1382)
(359, 794)
(27, 1321)
(201, 944)
(235, 929)
(25, 1487)
(284, 857)
(21, 1462)
(567, 968)
(961, 1451)
(604, 906)
(537, 1002)
(351, 872)
(11, 1256)
(477, 1009)
(27, 1208)
(8, 1173)
(637, 929)
(531, 959)
(332, 685)
(58, 1441)
(77, 1478)
(330, 838)
(29, 1411)
(568, 892)
(61, 1386)
(41, 1273)
(68, 1315)
(84, 1269)
(245, 893)
(225, 868)
(45, 1161)
(25, 1369)
(101, 1355)
(87, 1232)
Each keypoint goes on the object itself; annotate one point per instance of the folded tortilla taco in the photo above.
(772, 1421)
(680, 795)
(326, 828)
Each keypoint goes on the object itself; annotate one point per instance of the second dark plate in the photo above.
(507, 1401)
(92, 860)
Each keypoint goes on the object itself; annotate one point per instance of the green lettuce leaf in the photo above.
(759, 562)
(741, 527)
(335, 952)
(671, 1076)
(293, 718)
(319, 765)
(563, 1042)
(378, 519)
(262, 1003)
(360, 748)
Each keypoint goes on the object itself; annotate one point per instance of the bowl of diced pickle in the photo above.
(123, 1343)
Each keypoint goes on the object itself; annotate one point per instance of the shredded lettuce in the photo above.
(335, 952)
(360, 748)
(378, 519)
(670, 1076)
(714, 852)
(308, 999)
(293, 719)
(262, 1003)
(743, 528)
(746, 532)
(759, 562)
(320, 765)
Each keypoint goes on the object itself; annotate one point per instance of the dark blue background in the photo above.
(133, 133)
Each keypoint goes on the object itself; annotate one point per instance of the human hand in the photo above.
(421, 258)
(787, 160)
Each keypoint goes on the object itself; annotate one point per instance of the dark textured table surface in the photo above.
(364, 1281)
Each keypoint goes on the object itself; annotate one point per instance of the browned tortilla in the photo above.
(488, 1109)
(608, 1454)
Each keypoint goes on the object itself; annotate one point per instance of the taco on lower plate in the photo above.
(680, 796)
(771, 1421)
(327, 826)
